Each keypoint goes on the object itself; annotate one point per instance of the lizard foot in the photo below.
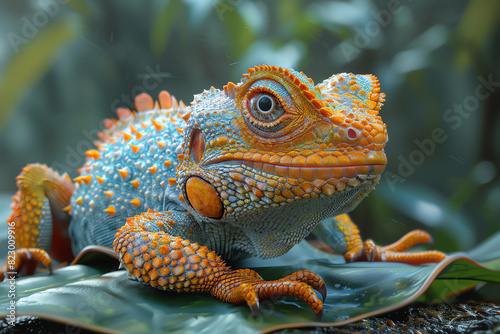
(27, 259)
(368, 251)
(245, 285)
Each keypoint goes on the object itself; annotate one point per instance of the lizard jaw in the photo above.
(311, 172)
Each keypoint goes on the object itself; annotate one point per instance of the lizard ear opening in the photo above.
(197, 147)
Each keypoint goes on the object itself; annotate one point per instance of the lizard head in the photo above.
(276, 154)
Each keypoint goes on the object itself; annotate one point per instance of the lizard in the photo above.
(248, 170)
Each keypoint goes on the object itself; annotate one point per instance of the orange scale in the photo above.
(324, 173)
(299, 161)
(308, 174)
(330, 161)
(337, 173)
(294, 173)
(344, 160)
(148, 266)
(275, 159)
(281, 171)
(286, 159)
(265, 158)
(314, 160)
(157, 262)
(350, 172)
(357, 158)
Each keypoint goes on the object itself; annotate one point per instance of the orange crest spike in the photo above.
(144, 102)
(123, 113)
(165, 100)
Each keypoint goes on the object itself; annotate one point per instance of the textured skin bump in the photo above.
(204, 198)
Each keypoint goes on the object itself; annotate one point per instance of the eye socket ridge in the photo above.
(267, 107)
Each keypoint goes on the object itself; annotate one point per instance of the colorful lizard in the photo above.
(249, 170)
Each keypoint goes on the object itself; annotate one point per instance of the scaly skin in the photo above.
(248, 170)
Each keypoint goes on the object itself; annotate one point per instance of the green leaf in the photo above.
(89, 297)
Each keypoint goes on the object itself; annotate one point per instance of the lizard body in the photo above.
(249, 170)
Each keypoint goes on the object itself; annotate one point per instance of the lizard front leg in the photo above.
(153, 256)
(354, 249)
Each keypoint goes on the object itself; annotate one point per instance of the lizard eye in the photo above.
(264, 107)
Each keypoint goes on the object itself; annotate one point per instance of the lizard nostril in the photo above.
(351, 134)
(197, 147)
(203, 197)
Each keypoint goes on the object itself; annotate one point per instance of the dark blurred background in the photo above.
(65, 65)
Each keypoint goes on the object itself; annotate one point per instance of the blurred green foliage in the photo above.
(67, 64)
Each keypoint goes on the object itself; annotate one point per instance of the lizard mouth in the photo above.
(373, 166)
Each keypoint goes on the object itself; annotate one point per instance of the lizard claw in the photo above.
(255, 309)
(322, 291)
(319, 315)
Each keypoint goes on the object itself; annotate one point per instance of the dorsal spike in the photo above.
(186, 116)
(174, 102)
(157, 125)
(143, 102)
(165, 100)
(123, 113)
